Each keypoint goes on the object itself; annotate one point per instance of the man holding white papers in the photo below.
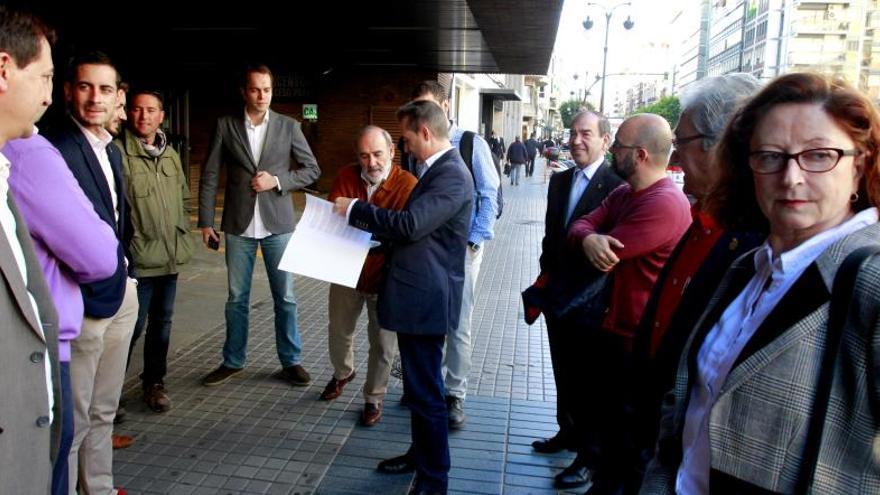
(374, 179)
(420, 299)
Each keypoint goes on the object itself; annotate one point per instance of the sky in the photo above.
(636, 50)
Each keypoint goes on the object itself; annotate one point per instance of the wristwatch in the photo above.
(474, 246)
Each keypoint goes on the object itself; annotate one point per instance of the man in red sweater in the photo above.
(630, 235)
(376, 180)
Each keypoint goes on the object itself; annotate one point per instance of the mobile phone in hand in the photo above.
(213, 243)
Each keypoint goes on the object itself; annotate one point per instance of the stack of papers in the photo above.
(325, 247)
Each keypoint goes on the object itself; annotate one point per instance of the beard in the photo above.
(624, 167)
(377, 177)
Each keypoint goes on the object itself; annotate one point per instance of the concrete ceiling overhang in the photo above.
(502, 94)
(481, 36)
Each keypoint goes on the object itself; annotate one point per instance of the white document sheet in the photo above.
(325, 247)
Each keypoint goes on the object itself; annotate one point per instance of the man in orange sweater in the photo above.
(376, 180)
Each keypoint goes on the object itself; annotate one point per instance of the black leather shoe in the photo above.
(552, 445)
(607, 486)
(397, 465)
(426, 491)
(418, 488)
(574, 476)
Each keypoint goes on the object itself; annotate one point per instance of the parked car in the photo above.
(564, 152)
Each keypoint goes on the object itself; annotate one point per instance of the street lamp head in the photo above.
(628, 23)
(588, 23)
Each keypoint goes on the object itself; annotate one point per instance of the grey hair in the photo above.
(712, 100)
(604, 124)
(370, 128)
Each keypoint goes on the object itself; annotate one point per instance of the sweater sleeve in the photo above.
(592, 222)
(656, 221)
(60, 215)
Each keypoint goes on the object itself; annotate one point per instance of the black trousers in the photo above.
(568, 345)
(593, 371)
(421, 357)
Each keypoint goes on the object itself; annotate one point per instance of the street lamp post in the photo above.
(588, 23)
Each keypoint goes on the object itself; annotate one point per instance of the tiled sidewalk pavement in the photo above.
(256, 434)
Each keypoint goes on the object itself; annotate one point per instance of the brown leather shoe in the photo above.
(121, 441)
(157, 398)
(371, 414)
(334, 387)
(295, 375)
(220, 376)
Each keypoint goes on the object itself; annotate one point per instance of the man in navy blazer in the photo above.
(421, 296)
(98, 355)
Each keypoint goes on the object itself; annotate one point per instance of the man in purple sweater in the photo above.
(73, 246)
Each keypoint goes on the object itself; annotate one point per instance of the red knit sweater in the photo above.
(649, 224)
(392, 194)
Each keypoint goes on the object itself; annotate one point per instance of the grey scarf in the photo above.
(158, 147)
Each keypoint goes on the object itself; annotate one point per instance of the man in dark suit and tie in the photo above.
(421, 297)
(571, 194)
(267, 158)
(29, 411)
(98, 355)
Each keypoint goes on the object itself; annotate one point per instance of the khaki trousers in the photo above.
(345, 307)
(97, 370)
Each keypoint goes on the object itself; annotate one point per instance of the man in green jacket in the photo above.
(156, 188)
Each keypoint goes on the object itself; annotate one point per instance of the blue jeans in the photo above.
(60, 471)
(155, 309)
(240, 255)
(515, 169)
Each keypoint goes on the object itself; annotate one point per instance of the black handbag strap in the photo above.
(841, 297)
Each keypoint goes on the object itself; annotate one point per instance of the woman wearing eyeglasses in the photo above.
(801, 157)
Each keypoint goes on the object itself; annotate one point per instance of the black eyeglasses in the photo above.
(680, 142)
(816, 160)
(617, 146)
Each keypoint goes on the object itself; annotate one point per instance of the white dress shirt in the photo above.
(580, 181)
(774, 276)
(99, 146)
(371, 187)
(9, 225)
(433, 158)
(256, 135)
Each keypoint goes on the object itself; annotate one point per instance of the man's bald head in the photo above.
(651, 132)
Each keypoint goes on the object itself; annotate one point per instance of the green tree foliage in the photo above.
(667, 107)
(570, 108)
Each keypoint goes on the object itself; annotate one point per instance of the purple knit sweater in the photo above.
(72, 243)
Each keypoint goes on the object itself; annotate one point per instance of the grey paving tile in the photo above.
(235, 484)
(488, 476)
(475, 487)
(214, 481)
(530, 470)
(525, 490)
(181, 489)
(258, 486)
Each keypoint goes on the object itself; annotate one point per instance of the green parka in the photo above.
(156, 190)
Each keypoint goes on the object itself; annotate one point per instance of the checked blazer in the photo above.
(758, 426)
